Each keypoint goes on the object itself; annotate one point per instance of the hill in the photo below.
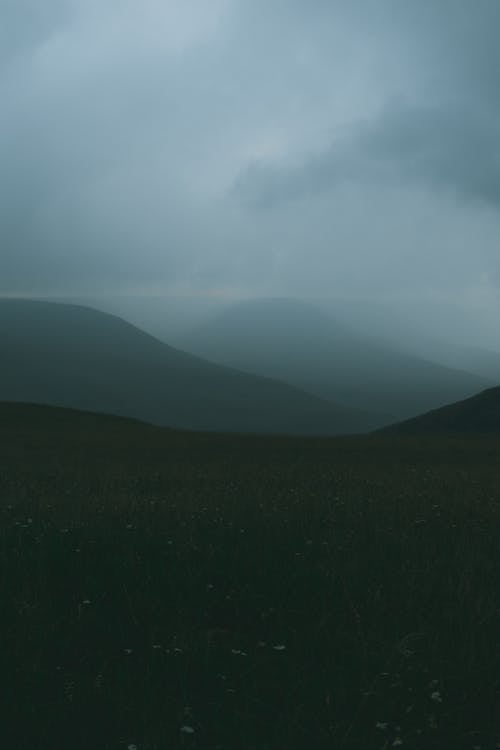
(77, 357)
(302, 345)
(483, 362)
(477, 415)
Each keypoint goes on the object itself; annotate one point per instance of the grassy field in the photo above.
(173, 590)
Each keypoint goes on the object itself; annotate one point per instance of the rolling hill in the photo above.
(478, 415)
(296, 342)
(76, 357)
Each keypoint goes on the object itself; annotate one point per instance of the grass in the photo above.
(172, 590)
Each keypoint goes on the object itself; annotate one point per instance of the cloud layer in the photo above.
(266, 147)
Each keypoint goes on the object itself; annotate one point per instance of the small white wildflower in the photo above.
(132, 747)
(382, 725)
(279, 647)
(186, 729)
(397, 742)
(237, 652)
(86, 601)
(436, 697)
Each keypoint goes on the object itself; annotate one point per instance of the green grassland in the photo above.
(165, 589)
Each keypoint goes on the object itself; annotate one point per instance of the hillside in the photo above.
(302, 345)
(77, 357)
(477, 415)
(483, 362)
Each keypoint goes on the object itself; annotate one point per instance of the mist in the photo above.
(329, 151)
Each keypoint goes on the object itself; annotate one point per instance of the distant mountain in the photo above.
(77, 357)
(483, 362)
(477, 415)
(430, 332)
(302, 345)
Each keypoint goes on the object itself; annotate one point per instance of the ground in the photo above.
(173, 590)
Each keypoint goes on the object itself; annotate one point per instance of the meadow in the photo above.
(164, 589)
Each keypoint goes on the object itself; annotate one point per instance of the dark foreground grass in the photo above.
(166, 590)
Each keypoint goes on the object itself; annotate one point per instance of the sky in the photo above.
(251, 148)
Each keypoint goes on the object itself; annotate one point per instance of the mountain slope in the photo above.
(483, 362)
(77, 357)
(477, 415)
(296, 342)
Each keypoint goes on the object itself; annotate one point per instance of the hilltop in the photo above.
(299, 343)
(76, 357)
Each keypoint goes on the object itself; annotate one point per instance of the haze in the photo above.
(344, 152)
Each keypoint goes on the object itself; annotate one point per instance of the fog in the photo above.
(162, 160)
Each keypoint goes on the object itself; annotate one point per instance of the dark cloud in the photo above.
(446, 148)
(450, 147)
(439, 127)
(136, 141)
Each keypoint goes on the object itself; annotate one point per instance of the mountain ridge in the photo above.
(304, 346)
(77, 357)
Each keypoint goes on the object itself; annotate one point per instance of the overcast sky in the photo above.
(251, 147)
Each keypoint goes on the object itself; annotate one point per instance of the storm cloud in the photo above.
(259, 147)
(442, 149)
